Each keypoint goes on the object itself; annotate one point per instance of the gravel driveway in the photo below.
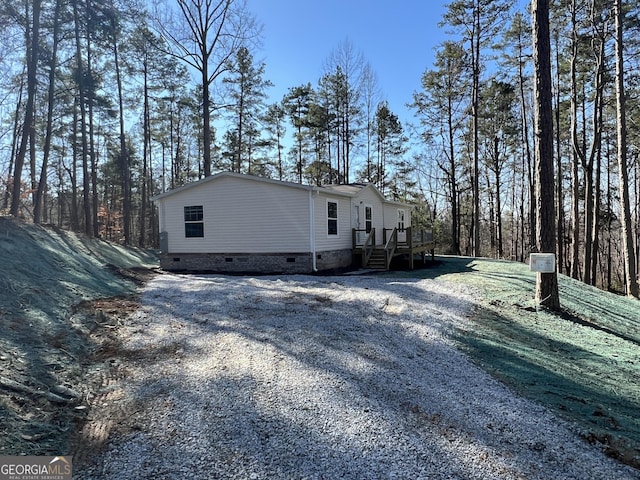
(322, 378)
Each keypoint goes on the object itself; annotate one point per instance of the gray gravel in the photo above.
(323, 378)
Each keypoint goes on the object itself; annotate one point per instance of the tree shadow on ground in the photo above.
(579, 384)
(430, 268)
(387, 365)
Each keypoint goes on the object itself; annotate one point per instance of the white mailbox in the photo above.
(542, 262)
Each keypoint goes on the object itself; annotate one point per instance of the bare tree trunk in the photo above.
(609, 222)
(575, 180)
(591, 186)
(42, 183)
(14, 146)
(73, 172)
(595, 227)
(559, 170)
(575, 218)
(475, 100)
(631, 281)
(93, 162)
(32, 36)
(527, 153)
(522, 215)
(83, 119)
(547, 283)
(455, 216)
(146, 152)
(125, 167)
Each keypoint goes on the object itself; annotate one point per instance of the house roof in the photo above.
(220, 175)
(350, 190)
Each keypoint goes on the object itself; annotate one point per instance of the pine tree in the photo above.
(547, 283)
(247, 91)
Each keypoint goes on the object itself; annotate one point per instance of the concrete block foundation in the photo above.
(263, 263)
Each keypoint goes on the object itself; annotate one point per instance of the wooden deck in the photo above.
(395, 243)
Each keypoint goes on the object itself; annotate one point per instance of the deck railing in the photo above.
(420, 237)
(412, 238)
(390, 246)
(395, 241)
(368, 246)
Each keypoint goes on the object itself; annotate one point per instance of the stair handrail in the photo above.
(367, 247)
(390, 247)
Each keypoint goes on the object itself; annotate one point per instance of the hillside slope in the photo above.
(45, 346)
(584, 363)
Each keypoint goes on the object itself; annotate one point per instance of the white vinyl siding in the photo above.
(240, 216)
(370, 198)
(324, 241)
(391, 216)
(259, 216)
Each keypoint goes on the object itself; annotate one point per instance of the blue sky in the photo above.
(398, 38)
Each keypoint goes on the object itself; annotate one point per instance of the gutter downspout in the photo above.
(312, 231)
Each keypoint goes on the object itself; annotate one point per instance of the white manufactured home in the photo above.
(236, 223)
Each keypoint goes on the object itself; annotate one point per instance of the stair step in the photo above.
(377, 260)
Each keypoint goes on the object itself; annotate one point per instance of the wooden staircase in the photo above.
(377, 260)
(378, 257)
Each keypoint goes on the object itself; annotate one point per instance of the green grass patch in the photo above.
(584, 363)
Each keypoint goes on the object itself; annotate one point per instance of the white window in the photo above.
(368, 218)
(193, 221)
(332, 218)
(400, 219)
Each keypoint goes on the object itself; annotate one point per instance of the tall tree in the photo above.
(344, 71)
(440, 106)
(32, 37)
(53, 64)
(547, 283)
(516, 54)
(371, 97)
(389, 142)
(124, 158)
(588, 156)
(499, 129)
(478, 22)
(274, 124)
(319, 170)
(149, 64)
(297, 104)
(631, 282)
(247, 91)
(212, 33)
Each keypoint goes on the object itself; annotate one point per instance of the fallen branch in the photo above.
(9, 384)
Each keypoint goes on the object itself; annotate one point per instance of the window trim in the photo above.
(402, 219)
(333, 219)
(368, 222)
(193, 216)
